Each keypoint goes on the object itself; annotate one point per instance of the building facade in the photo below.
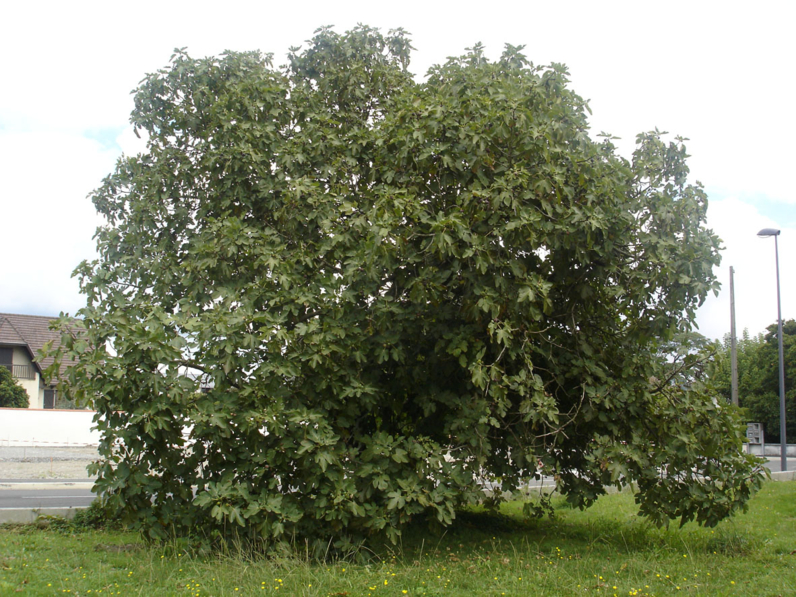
(21, 338)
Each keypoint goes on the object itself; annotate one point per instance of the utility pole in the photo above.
(733, 341)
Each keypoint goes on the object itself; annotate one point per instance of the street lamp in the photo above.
(765, 233)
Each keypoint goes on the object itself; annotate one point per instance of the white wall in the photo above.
(771, 450)
(29, 427)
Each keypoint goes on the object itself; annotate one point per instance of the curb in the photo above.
(26, 515)
(783, 476)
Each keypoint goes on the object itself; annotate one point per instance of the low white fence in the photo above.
(34, 427)
(771, 450)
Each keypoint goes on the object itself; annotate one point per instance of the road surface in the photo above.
(58, 497)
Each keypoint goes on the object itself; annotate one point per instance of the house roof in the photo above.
(9, 334)
(31, 332)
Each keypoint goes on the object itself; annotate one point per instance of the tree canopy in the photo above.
(393, 295)
(12, 395)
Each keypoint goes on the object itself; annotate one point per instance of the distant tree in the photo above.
(689, 358)
(758, 378)
(66, 403)
(400, 291)
(12, 395)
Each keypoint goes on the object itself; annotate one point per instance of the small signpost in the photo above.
(754, 435)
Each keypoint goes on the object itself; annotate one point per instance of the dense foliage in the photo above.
(758, 378)
(12, 395)
(394, 293)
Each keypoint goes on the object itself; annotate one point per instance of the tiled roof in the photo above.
(9, 334)
(31, 331)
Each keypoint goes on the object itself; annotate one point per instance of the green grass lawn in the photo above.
(607, 550)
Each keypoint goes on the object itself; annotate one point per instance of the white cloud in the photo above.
(47, 221)
(130, 143)
(753, 259)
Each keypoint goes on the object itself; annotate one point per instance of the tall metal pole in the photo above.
(783, 442)
(733, 341)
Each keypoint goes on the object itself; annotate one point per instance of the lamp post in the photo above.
(783, 443)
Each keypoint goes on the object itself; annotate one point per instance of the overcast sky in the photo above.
(719, 73)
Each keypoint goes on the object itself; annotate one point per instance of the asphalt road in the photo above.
(774, 463)
(60, 497)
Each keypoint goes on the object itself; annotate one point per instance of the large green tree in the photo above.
(395, 292)
(12, 395)
(758, 378)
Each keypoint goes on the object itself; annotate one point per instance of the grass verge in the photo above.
(606, 550)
